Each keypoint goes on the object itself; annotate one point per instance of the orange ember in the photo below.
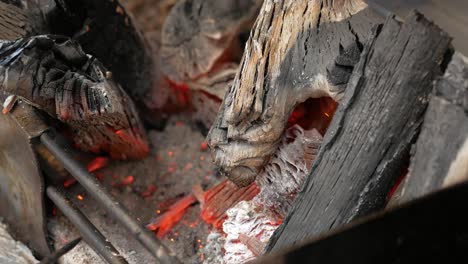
(314, 113)
(168, 220)
(69, 182)
(80, 197)
(182, 91)
(97, 164)
(204, 146)
(150, 190)
(223, 196)
(125, 182)
(397, 184)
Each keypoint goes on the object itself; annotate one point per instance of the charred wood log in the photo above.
(55, 75)
(375, 124)
(105, 30)
(443, 134)
(198, 33)
(296, 50)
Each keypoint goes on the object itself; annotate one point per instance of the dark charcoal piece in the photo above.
(56, 76)
(443, 134)
(374, 126)
(104, 30)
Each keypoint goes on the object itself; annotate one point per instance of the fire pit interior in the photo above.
(208, 131)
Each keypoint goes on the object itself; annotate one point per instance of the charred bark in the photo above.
(375, 124)
(296, 50)
(55, 75)
(443, 134)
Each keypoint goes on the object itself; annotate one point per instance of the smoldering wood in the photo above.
(375, 124)
(296, 50)
(54, 74)
(430, 229)
(285, 174)
(105, 30)
(208, 91)
(444, 131)
(196, 34)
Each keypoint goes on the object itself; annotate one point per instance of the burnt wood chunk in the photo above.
(373, 128)
(54, 74)
(296, 50)
(444, 132)
(105, 30)
(198, 33)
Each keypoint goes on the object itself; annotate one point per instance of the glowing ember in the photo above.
(164, 223)
(397, 184)
(223, 196)
(80, 197)
(150, 190)
(324, 108)
(8, 104)
(182, 92)
(69, 182)
(97, 164)
(125, 182)
(204, 146)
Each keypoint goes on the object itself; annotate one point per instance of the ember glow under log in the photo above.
(310, 51)
(54, 74)
(374, 126)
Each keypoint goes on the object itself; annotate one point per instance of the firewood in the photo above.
(104, 29)
(443, 134)
(54, 74)
(198, 33)
(296, 50)
(373, 128)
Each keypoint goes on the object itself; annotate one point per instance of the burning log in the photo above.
(443, 140)
(310, 51)
(55, 75)
(377, 120)
(197, 34)
(222, 197)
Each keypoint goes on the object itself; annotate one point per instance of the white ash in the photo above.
(250, 219)
(12, 251)
(284, 175)
(213, 250)
(279, 183)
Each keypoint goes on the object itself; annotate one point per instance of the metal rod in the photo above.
(88, 231)
(99, 193)
(54, 257)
